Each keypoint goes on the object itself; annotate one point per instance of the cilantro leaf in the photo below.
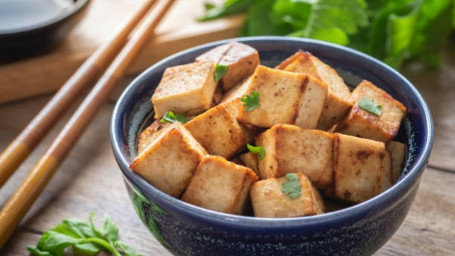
(368, 105)
(390, 30)
(220, 71)
(83, 237)
(170, 117)
(229, 7)
(251, 101)
(259, 151)
(291, 187)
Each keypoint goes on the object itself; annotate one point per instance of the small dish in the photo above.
(28, 27)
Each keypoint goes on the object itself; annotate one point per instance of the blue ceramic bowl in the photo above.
(361, 229)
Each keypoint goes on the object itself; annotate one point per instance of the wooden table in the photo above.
(90, 181)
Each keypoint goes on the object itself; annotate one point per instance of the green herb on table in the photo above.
(83, 237)
(368, 105)
(259, 151)
(251, 101)
(170, 117)
(220, 71)
(394, 31)
(291, 187)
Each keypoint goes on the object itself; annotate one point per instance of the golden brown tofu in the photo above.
(148, 135)
(279, 97)
(219, 132)
(387, 180)
(364, 124)
(338, 100)
(186, 89)
(397, 152)
(240, 59)
(169, 161)
(292, 149)
(236, 92)
(270, 202)
(359, 168)
(311, 104)
(220, 185)
(251, 161)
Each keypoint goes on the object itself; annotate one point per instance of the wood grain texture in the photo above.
(44, 74)
(438, 89)
(19, 204)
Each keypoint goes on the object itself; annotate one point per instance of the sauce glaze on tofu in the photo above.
(269, 142)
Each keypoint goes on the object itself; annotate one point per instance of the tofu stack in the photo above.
(313, 139)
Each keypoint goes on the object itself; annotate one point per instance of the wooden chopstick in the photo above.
(26, 141)
(18, 205)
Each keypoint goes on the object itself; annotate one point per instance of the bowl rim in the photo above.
(74, 9)
(249, 223)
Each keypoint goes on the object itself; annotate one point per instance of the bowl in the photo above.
(33, 27)
(360, 229)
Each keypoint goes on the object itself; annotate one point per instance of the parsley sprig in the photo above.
(84, 237)
(259, 151)
(291, 187)
(170, 117)
(220, 71)
(368, 105)
(251, 101)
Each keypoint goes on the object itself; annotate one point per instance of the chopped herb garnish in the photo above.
(259, 151)
(84, 237)
(251, 101)
(220, 71)
(170, 117)
(368, 105)
(291, 187)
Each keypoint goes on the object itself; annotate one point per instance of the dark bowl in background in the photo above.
(29, 28)
(360, 229)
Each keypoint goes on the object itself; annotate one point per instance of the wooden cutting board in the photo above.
(178, 30)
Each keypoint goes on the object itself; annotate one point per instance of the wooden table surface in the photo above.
(90, 181)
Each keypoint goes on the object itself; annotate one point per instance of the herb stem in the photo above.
(101, 242)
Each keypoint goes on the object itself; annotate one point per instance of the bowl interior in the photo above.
(134, 110)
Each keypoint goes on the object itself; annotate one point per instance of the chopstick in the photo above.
(26, 141)
(18, 205)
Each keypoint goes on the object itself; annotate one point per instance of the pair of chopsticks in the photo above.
(21, 201)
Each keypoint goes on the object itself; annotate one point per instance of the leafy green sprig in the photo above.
(250, 101)
(259, 151)
(170, 117)
(220, 71)
(368, 105)
(83, 237)
(291, 187)
(394, 31)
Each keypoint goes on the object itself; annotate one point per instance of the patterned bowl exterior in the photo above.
(361, 229)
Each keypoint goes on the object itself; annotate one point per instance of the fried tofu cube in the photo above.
(219, 132)
(186, 89)
(147, 136)
(311, 104)
(220, 185)
(397, 152)
(270, 202)
(292, 149)
(251, 161)
(240, 59)
(169, 161)
(364, 124)
(338, 100)
(279, 97)
(387, 180)
(359, 168)
(237, 92)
